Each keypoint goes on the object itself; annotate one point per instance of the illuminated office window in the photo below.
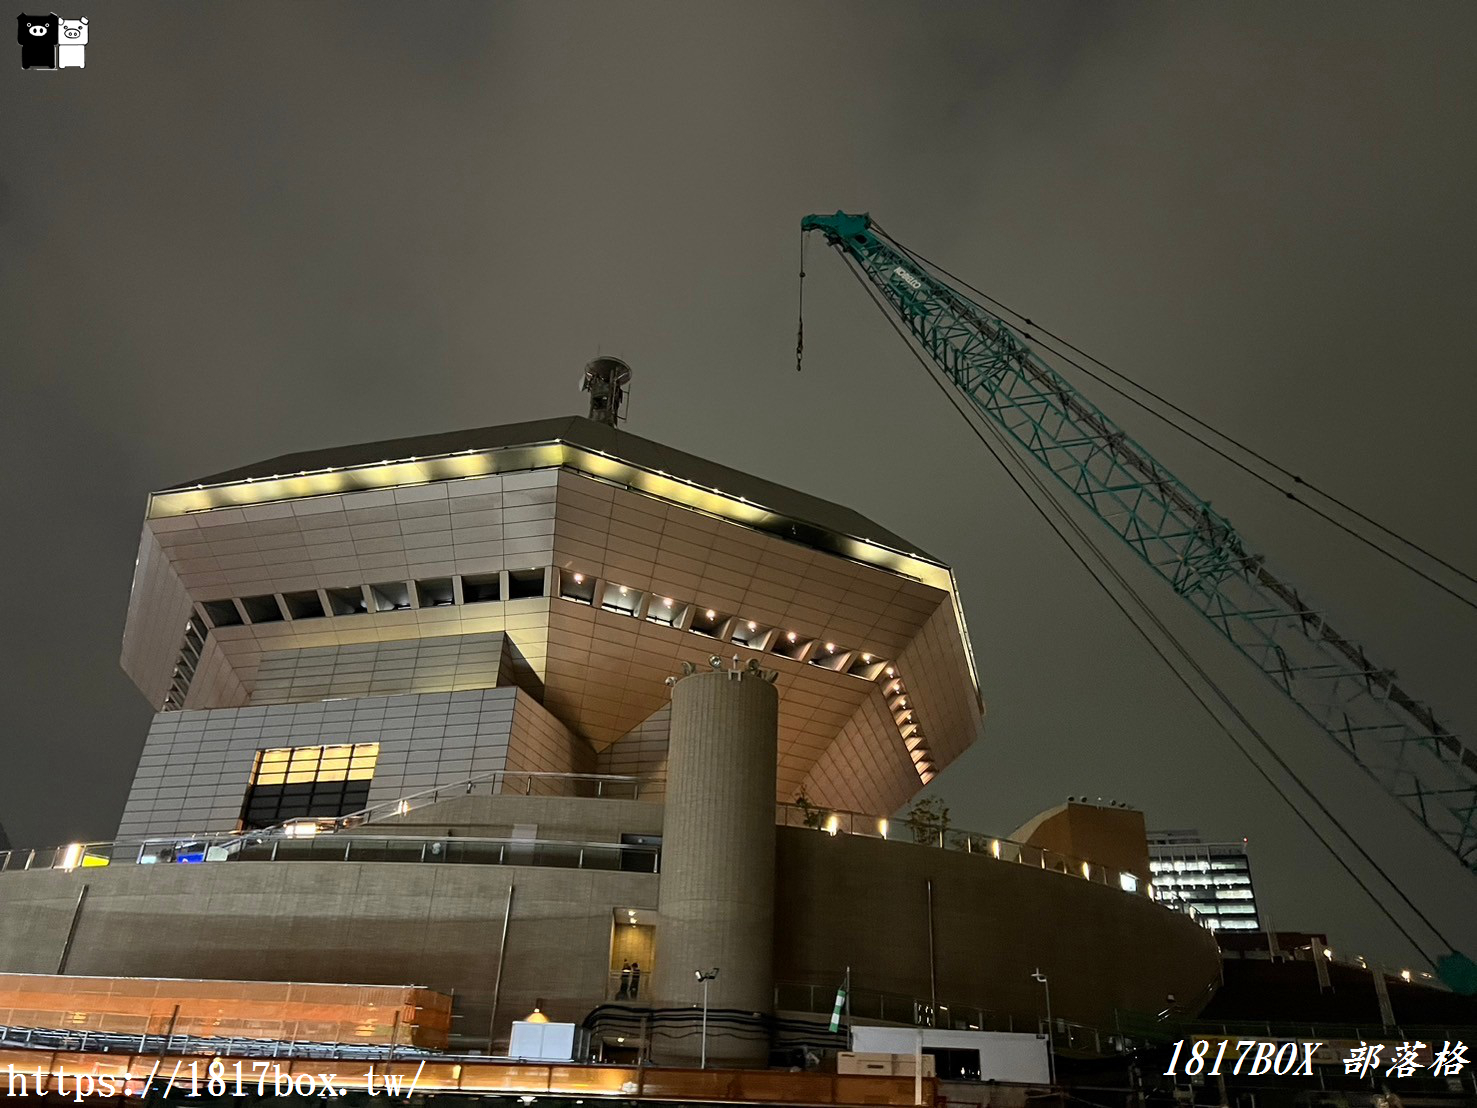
(309, 781)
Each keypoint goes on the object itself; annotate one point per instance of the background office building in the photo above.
(1212, 881)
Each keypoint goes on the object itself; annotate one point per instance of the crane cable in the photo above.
(800, 327)
(1179, 648)
(1238, 463)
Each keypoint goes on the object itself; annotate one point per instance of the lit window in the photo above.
(292, 782)
(665, 611)
(748, 633)
(709, 622)
(621, 599)
(579, 587)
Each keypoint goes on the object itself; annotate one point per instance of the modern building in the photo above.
(1211, 881)
(522, 715)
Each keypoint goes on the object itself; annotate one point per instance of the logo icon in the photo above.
(49, 42)
(71, 46)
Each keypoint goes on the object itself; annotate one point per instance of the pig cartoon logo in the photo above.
(38, 36)
(71, 47)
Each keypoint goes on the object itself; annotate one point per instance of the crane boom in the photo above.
(1393, 736)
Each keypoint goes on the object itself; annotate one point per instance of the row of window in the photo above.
(576, 587)
(1226, 879)
(385, 596)
(186, 662)
(1179, 865)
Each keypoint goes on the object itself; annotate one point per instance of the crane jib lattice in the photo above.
(1394, 737)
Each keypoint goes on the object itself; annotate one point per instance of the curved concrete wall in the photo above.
(837, 901)
(717, 891)
(847, 900)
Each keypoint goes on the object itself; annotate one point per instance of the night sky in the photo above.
(246, 230)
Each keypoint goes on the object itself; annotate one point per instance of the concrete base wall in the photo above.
(846, 900)
(839, 901)
(371, 923)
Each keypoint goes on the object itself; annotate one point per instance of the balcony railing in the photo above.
(341, 837)
(869, 1006)
(501, 783)
(837, 822)
(343, 847)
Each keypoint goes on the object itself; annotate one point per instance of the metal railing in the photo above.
(342, 847)
(341, 837)
(217, 846)
(876, 1007)
(837, 822)
(1152, 1029)
(58, 1039)
(525, 783)
(621, 988)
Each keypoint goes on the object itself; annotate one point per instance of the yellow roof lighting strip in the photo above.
(403, 473)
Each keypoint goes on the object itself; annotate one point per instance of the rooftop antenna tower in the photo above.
(607, 380)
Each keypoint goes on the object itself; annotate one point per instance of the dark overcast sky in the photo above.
(250, 229)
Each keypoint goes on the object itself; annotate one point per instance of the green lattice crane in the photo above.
(1197, 552)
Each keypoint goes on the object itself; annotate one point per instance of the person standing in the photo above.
(625, 982)
(635, 979)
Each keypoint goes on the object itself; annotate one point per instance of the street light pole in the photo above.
(1050, 1048)
(705, 978)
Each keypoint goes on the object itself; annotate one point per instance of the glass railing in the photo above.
(838, 822)
(622, 988)
(340, 838)
(341, 847)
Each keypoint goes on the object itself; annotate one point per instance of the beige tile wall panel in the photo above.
(539, 743)
(642, 752)
(445, 663)
(937, 678)
(867, 767)
(158, 607)
(196, 766)
(598, 672)
(217, 684)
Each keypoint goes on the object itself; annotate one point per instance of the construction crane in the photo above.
(1394, 737)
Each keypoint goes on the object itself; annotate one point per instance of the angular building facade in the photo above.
(513, 598)
(552, 716)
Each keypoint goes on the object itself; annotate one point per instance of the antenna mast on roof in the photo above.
(607, 381)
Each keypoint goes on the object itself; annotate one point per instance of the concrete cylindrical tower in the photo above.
(717, 884)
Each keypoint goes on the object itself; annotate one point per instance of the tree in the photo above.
(928, 819)
(810, 815)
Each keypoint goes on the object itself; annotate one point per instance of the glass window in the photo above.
(309, 781)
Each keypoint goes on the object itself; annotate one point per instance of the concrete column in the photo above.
(717, 883)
